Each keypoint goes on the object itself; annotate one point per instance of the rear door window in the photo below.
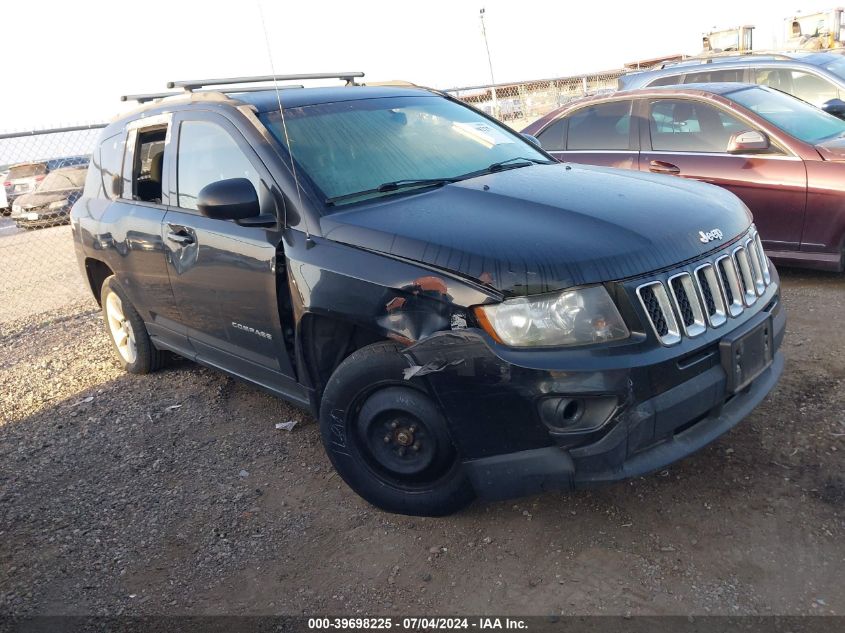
(730, 75)
(606, 126)
(143, 161)
(147, 170)
(671, 80)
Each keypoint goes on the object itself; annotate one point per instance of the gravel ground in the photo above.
(174, 494)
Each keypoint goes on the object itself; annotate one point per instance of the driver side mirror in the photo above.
(532, 139)
(748, 141)
(836, 107)
(231, 199)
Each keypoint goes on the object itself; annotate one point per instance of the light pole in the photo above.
(490, 64)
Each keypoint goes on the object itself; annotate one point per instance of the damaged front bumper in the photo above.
(656, 405)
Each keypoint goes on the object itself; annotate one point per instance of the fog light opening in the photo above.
(572, 410)
(567, 415)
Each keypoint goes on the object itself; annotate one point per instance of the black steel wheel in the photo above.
(387, 438)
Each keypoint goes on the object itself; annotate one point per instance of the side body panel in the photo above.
(824, 228)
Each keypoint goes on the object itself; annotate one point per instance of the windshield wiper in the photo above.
(397, 185)
(394, 185)
(510, 164)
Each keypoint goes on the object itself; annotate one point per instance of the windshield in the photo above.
(795, 117)
(349, 147)
(63, 179)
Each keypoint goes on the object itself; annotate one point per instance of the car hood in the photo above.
(32, 200)
(547, 227)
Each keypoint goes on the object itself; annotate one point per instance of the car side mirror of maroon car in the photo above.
(532, 139)
(748, 141)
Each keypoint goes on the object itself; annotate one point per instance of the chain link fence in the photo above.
(42, 173)
(522, 103)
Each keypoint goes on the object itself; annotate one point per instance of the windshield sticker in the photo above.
(484, 133)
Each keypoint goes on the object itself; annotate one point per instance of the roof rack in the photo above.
(152, 96)
(193, 84)
(726, 56)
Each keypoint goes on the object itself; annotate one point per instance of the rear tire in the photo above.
(126, 330)
(387, 438)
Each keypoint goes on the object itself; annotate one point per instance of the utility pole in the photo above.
(496, 112)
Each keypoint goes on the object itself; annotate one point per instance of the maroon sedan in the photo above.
(783, 157)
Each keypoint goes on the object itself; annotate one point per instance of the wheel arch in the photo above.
(324, 341)
(97, 271)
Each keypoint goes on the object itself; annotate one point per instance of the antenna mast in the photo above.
(284, 124)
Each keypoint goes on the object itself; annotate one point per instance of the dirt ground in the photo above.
(175, 494)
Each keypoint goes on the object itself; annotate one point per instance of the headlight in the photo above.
(573, 317)
(58, 204)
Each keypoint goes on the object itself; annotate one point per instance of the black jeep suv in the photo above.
(465, 316)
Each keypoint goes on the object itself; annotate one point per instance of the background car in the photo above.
(815, 77)
(24, 177)
(783, 157)
(5, 208)
(50, 203)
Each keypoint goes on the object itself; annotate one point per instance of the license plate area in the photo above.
(748, 354)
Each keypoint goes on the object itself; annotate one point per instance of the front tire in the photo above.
(127, 332)
(387, 438)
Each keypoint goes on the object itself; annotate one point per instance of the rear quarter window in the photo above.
(552, 138)
(93, 180)
(110, 164)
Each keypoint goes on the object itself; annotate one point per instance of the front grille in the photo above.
(714, 301)
(654, 311)
(707, 291)
(713, 292)
(684, 305)
(688, 304)
(746, 277)
(656, 303)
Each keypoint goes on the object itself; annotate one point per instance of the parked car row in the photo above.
(781, 155)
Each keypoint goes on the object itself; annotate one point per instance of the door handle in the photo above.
(661, 167)
(180, 237)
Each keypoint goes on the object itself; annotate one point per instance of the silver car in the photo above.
(815, 77)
